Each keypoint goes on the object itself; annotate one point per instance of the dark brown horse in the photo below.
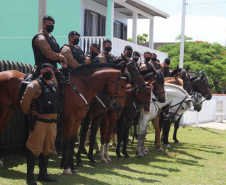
(135, 103)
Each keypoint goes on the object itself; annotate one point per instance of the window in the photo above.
(120, 30)
(94, 23)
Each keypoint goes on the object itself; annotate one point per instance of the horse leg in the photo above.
(94, 127)
(65, 157)
(74, 168)
(176, 127)
(155, 123)
(125, 138)
(3, 115)
(166, 130)
(103, 131)
(119, 129)
(83, 135)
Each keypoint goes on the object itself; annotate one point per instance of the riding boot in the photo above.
(31, 159)
(43, 163)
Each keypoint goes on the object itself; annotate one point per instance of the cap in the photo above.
(167, 61)
(127, 47)
(73, 33)
(147, 52)
(47, 65)
(136, 53)
(95, 45)
(154, 54)
(107, 41)
(49, 18)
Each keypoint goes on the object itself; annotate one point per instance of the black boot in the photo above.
(43, 163)
(31, 159)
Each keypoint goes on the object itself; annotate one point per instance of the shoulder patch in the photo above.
(31, 85)
(65, 50)
(41, 38)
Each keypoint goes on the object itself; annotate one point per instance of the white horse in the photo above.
(178, 100)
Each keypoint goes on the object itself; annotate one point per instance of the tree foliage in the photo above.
(141, 38)
(185, 38)
(202, 57)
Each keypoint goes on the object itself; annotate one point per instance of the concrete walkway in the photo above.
(216, 125)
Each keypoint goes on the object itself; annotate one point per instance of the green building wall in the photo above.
(19, 24)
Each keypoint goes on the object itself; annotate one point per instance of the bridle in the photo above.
(112, 100)
(195, 95)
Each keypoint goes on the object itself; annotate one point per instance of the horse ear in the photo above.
(124, 58)
(123, 70)
(202, 76)
(187, 68)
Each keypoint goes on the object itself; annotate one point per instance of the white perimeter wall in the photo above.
(207, 114)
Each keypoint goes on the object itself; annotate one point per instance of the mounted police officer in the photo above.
(155, 64)
(45, 47)
(146, 66)
(72, 52)
(40, 100)
(165, 67)
(128, 50)
(106, 56)
(136, 57)
(92, 55)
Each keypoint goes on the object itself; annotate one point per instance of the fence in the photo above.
(14, 135)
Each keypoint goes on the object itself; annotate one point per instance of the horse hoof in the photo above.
(176, 141)
(104, 161)
(74, 171)
(146, 150)
(140, 156)
(80, 164)
(168, 146)
(120, 157)
(109, 160)
(160, 149)
(127, 157)
(67, 172)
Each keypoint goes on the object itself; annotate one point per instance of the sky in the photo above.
(205, 21)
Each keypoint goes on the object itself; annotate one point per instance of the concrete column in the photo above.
(134, 31)
(41, 12)
(110, 19)
(78, 14)
(151, 33)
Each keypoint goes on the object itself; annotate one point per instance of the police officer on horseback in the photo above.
(136, 57)
(146, 66)
(106, 56)
(72, 52)
(45, 47)
(40, 101)
(165, 67)
(92, 55)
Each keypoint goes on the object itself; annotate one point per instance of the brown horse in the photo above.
(9, 95)
(95, 77)
(111, 117)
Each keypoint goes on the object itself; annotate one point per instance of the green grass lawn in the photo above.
(199, 158)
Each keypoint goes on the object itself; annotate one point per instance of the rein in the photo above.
(196, 98)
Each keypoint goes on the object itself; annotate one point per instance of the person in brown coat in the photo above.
(40, 101)
(72, 52)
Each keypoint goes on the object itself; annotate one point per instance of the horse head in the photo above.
(201, 85)
(134, 73)
(186, 80)
(118, 90)
(158, 86)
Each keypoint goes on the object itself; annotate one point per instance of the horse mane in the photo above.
(177, 87)
(174, 72)
(91, 68)
(193, 78)
(160, 77)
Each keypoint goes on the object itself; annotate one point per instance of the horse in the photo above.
(111, 117)
(178, 101)
(93, 78)
(135, 102)
(99, 107)
(200, 88)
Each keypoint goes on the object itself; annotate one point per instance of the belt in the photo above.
(45, 120)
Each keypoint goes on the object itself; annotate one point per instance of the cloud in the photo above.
(209, 28)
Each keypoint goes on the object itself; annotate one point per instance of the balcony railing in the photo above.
(87, 41)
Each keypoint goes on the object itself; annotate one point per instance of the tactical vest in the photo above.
(149, 66)
(109, 58)
(94, 60)
(166, 72)
(39, 57)
(77, 53)
(47, 102)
